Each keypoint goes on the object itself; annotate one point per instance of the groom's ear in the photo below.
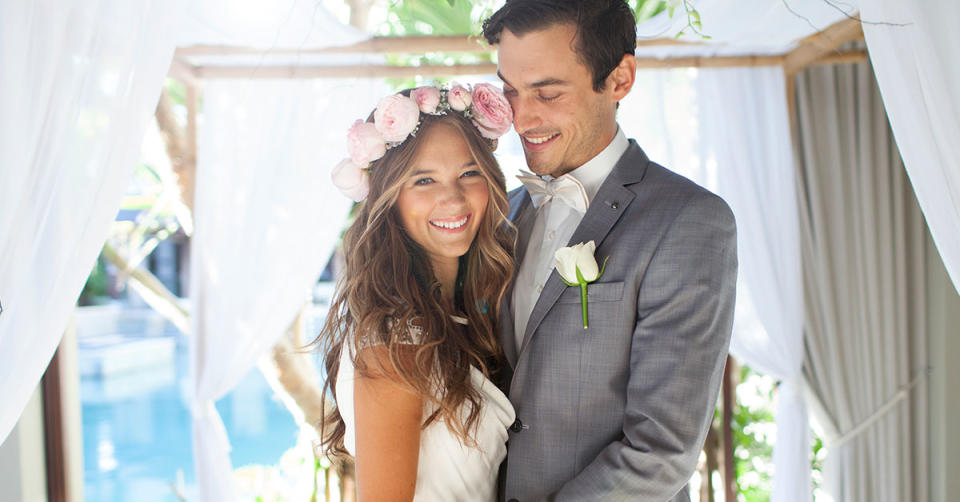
(622, 77)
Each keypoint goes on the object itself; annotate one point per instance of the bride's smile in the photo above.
(442, 203)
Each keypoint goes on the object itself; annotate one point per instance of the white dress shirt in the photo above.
(554, 226)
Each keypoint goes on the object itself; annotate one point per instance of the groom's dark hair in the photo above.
(606, 29)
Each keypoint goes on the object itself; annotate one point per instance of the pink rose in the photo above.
(459, 98)
(427, 98)
(351, 179)
(364, 143)
(396, 117)
(491, 112)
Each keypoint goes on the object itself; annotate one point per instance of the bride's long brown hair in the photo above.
(389, 285)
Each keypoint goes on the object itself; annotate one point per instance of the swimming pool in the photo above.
(137, 430)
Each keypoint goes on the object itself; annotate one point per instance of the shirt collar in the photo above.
(592, 174)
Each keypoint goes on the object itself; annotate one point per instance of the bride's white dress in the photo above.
(447, 470)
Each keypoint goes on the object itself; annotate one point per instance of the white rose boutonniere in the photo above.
(577, 267)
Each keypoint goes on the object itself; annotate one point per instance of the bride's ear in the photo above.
(622, 77)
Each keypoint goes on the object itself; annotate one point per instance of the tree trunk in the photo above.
(180, 142)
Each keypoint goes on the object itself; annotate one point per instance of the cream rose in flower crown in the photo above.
(397, 117)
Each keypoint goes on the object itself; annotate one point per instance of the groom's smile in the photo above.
(538, 143)
(562, 120)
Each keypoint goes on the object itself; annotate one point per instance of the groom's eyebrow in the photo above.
(540, 83)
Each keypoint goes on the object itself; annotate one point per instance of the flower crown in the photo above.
(397, 118)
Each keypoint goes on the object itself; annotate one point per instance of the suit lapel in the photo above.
(605, 210)
(522, 214)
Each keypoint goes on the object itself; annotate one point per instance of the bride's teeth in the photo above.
(537, 141)
(451, 224)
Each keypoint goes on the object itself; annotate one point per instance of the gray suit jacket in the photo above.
(620, 411)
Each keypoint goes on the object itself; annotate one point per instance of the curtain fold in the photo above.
(728, 130)
(862, 239)
(915, 64)
(745, 132)
(267, 218)
(80, 82)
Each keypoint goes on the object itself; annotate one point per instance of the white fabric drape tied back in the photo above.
(900, 396)
(793, 442)
(566, 189)
(211, 449)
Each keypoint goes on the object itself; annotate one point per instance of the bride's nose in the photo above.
(452, 194)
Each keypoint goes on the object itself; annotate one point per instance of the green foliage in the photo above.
(96, 286)
(436, 17)
(816, 463)
(645, 9)
(455, 17)
(176, 90)
(752, 436)
(694, 23)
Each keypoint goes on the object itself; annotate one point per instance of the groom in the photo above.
(619, 410)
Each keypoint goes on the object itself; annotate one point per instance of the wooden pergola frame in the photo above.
(817, 49)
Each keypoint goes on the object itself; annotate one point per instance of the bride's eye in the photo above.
(423, 181)
(472, 172)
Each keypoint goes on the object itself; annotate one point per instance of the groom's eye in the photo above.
(549, 97)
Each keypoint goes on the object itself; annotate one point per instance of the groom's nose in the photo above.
(525, 114)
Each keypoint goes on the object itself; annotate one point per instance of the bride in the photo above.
(409, 343)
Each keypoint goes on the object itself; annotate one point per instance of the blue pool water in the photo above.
(136, 430)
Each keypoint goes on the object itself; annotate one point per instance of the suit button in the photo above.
(517, 426)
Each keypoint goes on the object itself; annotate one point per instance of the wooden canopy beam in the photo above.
(821, 45)
(389, 71)
(417, 44)
(344, 71)
(819, 48)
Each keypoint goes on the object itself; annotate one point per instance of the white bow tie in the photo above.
(566, 188)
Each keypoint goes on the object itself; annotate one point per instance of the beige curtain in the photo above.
(862, 239)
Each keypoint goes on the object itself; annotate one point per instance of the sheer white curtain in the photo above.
(745, 131)
(916, 68)
(79, 84)
(266, 220)
(728, 130)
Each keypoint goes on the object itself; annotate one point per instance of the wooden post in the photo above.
(729, 470)
(711, 465)
(53, 432)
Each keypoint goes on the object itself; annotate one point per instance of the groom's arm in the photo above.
(684, 320)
